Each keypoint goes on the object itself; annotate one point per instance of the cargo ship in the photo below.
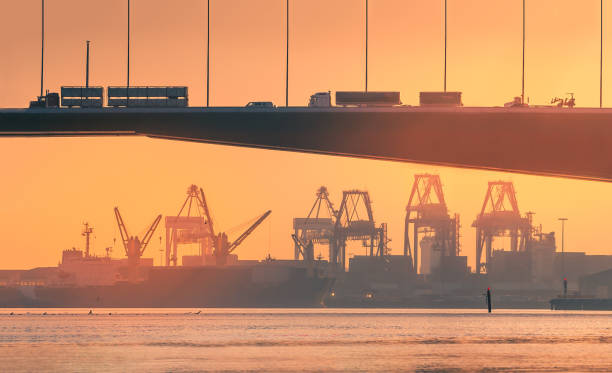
(86, 281)
(264, 284)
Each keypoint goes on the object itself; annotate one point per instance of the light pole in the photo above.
(563, 220)
(601, 56)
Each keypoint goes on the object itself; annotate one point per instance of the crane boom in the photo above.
(208, 217)
(122, 230)
(149, 234)
(246, 233)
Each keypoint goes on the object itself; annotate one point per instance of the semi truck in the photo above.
(48, 100)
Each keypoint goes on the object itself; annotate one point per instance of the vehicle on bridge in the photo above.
(516, 102)
(148, 97)
(568, 102)
(84, 97)
(356, 99)
(320, 99)
(440, 99)
(48, 100)
(260, 105)
(368, 99)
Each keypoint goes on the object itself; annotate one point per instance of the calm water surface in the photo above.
(180, 340)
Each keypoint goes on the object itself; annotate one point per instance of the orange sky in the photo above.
(50, 186)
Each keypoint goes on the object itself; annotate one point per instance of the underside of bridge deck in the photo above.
(568, 143)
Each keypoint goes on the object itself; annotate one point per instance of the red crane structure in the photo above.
(316, 228)
(192, 225)
(427, 215)
(350, 225)
(500, 217)
(134, 247)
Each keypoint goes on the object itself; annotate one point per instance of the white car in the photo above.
(260, 105)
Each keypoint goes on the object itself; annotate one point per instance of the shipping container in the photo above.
(148, 97)
(85, 97)
(440, 99)
(367, 99)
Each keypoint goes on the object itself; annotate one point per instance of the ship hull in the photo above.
(187, 287)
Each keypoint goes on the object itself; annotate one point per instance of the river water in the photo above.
(303, 340)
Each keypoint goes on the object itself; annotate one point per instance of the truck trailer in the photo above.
(367, 99)
(356, 99)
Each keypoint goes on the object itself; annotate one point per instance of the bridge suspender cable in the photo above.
(601, 57)
(523, 76)
(208, 53)
(287, 67)
(42, 49)
(445, 38)
(127, 90)
(366, 45)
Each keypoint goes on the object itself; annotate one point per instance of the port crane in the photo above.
(427, 214)
(134, 247)
(355, 225)
(316, 228)
(499, 217)
(223, 248)
(192, 225)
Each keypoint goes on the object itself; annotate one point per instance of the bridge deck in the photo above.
(548, 141)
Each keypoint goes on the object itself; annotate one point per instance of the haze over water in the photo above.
(305, 340)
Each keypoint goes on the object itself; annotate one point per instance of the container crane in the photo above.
(427, 215)
(134, 247)
(192, 225)
(316, 228)
(355, 226)
(499, 217)
(223, 248)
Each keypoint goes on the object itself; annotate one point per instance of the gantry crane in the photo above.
(316, 228)
(500, 217)
(134, 247)
(427, 214)
(350, 225)
(223, 248)
(192, 225)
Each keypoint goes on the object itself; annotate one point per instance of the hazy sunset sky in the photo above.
(50, 186)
